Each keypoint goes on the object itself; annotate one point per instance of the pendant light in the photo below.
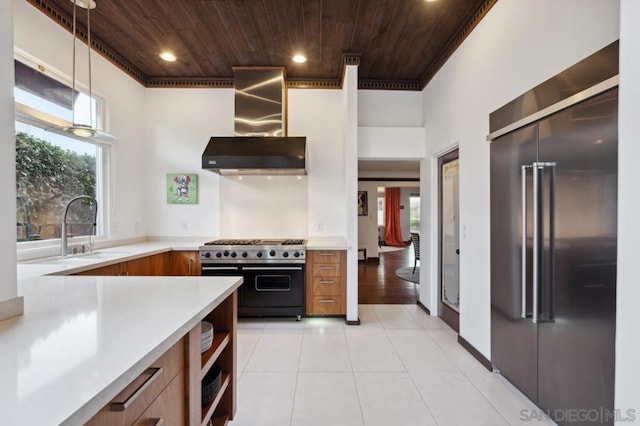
(78, 130)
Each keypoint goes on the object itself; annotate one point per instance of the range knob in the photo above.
(226, 253)
(233, 254)
(218, 254)
(285, 254)
(207, 255)
(296, 254)
(259, 254)
(244, 254)
(272, 253)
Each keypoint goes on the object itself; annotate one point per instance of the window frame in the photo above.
(31, 116)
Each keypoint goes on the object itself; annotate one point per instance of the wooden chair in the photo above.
(415, 240)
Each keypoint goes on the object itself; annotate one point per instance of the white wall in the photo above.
(179, 125)
(628, 291)
(46, 41)
(390, 143)
(349, 208)
(8, 287)
(320, 116)
(519, 44)
(389, 108)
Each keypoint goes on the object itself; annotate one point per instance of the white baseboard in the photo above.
(11, 308)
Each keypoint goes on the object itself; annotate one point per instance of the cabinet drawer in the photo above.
(326, 270)
(326, 286)
(169, 408)
(326, 305)
(325, 256)
(129, 404)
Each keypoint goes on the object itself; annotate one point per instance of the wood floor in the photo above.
(378, 283)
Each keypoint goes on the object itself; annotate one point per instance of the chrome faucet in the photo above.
(64, 237)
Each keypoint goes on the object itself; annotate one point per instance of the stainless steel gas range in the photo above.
(273, 272)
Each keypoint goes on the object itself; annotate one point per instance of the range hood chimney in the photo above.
(260, 144)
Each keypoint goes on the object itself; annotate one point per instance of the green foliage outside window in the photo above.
(47, 177)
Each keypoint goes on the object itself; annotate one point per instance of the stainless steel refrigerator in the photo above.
(553, 258)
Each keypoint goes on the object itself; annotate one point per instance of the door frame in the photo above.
(448, 314)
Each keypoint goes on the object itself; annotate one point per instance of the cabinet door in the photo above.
(169, 408)
(137, 267)
(184, 263)
(104, 270)
(159, 264)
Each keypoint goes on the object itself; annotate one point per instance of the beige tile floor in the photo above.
(400, 367)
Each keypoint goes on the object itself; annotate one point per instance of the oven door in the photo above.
(273, 290)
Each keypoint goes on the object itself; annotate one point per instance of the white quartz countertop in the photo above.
(83, 338)
(332, 243)
(77, 263)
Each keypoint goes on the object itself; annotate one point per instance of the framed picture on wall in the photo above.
(363, 204)
(182, 188)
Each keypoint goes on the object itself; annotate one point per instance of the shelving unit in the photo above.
(209, 409)
(222, 353)
(220, 342)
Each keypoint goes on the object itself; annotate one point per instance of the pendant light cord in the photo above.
(89, 58)
(73, 72)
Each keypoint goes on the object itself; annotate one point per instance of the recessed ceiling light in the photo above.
(430, 1)
(168, 56)
(299, 59)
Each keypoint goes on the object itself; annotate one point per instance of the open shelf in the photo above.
(220, 341)
(208, 410)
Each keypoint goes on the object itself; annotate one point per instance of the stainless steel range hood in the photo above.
(260, 145)
(256, 155)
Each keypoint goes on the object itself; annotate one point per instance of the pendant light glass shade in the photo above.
(78, 130)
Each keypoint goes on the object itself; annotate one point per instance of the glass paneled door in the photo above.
(449, 238)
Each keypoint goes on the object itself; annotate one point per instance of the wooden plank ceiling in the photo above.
(398, 44)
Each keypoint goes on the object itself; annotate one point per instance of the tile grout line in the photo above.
(424, 401)
(295, 387)
(244, 370)
(409, 374)
(487, 399)
(353, 375)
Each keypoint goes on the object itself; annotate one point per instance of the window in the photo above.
(52, 168)
(380, 211)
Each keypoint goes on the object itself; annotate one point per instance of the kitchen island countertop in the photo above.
(84, 338)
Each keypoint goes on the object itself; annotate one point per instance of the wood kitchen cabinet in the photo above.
(138, 397)
(155, 265)
(223, 354)
(326, 282)
(103, 270)
(159, 264)
(136, 267)
(169, 391)
(183, 263)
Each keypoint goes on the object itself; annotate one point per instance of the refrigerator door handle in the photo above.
(536, 241)
(552, 236)
(537, 168)
(523, 313)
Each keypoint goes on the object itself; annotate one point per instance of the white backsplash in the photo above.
(263, 207)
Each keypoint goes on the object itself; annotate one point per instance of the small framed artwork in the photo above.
(182, 188)
(363, 204)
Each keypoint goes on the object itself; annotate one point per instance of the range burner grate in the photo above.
(232, 243)
(293, 242)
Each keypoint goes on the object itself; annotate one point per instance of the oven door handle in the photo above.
(273, 268)
(220, 268)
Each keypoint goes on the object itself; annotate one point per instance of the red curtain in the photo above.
(392, 231)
